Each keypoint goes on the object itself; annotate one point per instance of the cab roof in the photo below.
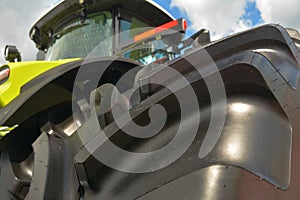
(68, 10)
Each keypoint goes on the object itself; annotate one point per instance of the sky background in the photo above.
(221, 17)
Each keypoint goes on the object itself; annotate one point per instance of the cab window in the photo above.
(130, 27)
(146, 52)
(80, 38)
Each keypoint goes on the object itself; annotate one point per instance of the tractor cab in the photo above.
(127, 28)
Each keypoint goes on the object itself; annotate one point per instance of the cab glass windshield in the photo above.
(79, 38)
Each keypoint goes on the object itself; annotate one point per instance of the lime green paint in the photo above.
(23, 72)
(4, 130)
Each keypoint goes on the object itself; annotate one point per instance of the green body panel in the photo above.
(23, 72)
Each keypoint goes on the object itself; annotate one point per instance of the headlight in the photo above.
(4, 74)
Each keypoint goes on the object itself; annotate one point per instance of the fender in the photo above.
(21, 73)
(14, 111)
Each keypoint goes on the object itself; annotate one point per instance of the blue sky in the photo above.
(221, 17)
(166, 4)
(252, 13)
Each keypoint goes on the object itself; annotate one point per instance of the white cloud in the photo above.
(219, 16)
(16, 19)
(285, 13)
(225, 17)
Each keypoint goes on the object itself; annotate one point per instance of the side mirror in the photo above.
(11, 53)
